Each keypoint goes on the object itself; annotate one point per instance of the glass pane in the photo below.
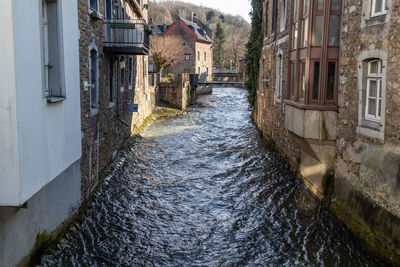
(320, 5)
(293, 79)
(303, 79)
(334, 30)
(266, 18)
(372, 88)
(330, 87)
(335, 5)
(318, 27)
(304, 34)
(295, 35)
(315, 81)
(378, 6)
(380, 89)
(372, 107)
(379, 108)
(373, 66)
(296, 10)
(306, 7)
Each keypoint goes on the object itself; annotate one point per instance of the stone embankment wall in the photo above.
(175, 92)
(366, 192)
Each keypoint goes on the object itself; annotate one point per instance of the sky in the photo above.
(234, 7)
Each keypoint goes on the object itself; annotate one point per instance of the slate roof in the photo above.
(198, 31)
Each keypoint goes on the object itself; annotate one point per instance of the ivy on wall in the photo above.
(254, 47)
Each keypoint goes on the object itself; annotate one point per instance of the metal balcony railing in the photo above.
(129, 37)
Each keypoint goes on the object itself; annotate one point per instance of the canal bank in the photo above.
(205, 189)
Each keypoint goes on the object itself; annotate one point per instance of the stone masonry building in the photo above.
(197, 42)
(115, 94)
(329, 98)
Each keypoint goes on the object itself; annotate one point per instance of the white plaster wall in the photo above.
(49, 136)
(9, 167)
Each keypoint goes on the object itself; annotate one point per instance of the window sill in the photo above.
(370, 132)
(310, 107)
(95, 15)
(56, 99)
(376, 20)
(94, 111)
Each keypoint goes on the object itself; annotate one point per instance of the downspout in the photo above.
(118, 96)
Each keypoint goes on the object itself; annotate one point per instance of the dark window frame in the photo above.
(310, 54)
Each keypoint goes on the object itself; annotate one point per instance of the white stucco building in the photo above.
(40, 133)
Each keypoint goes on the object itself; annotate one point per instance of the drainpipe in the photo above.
(118, 96)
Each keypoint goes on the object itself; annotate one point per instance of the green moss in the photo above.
(378, 242)
(42, 245)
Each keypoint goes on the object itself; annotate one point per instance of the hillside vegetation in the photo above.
(236, 29)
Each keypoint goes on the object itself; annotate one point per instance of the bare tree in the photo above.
(165, 51)
(236, 46)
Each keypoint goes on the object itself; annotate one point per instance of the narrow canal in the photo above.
(204, 190)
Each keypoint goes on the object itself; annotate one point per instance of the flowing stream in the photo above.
(204, 189)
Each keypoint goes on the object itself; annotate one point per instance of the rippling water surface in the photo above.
(204, 190)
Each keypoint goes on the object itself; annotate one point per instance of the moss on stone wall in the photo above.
(381, 245)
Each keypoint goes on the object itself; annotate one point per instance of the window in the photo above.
(205, 56)
(331, 81)
(318, 28)
(292, 80)
(315, 87)
(111, 82)
(94, 88)
(302, 84)
(52, 54)
(266, 17)
(378, 7)
(187, 57)
(198, 55)
(93, 4)
(313, 72)
(283, 15)
(274, 16)
(130, 72)
(108, 9)
(198, 70)
(279, 75)
(373, 108)
(122, 73)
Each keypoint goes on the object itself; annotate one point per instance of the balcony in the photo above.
(128, 37)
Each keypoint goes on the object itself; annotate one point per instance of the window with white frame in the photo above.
(373, 107)
(378, 7)
(94, 5)
(52, 54)
(94, 88)
(187, 57)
